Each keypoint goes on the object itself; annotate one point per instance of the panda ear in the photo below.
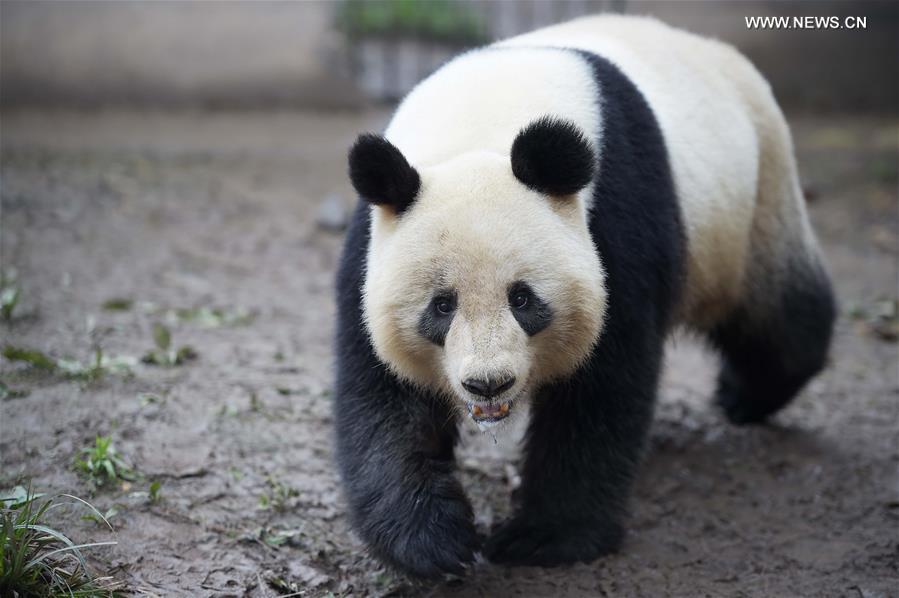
(553, 156)
(381, 175)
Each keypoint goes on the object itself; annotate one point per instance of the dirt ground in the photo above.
(219, 211)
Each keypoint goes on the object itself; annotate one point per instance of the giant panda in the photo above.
(537, 217)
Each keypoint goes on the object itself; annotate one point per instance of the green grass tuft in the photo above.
(102, 464)
(7, 392)
(214, 317)
(165, 353)
(278, 496)
(10, 293)
(118, 304)
(91, 371)
(154, 492)
(32, 357)
(38, 560)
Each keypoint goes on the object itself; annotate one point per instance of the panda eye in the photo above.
(520, 299)
(444, 305)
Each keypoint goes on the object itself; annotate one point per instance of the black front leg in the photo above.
(394, 445)
(396, 459)
(583, 446)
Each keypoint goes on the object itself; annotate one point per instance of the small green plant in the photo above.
(212, 317)
(102, 464)
(102, 519)
(97, 368)
(204, 316)
(149, 398)
(228, 411)
(10, 293)
(279, 537)
(165, 354)
(278, 495)
(118, 304)
(91, 371)
(282, 585)
(38, 560)
(7, 392)
(154, 492)
(9, 298)
(30, 356)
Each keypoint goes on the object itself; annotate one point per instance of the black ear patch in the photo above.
(553, 156)
(380, 173)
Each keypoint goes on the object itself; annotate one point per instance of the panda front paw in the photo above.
(427, 533)
(535, 542)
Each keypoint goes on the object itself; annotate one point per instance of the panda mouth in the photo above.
(488, 413)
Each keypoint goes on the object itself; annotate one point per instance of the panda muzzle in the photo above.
(490, 410)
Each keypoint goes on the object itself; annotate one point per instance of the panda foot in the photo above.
(738, 409)
(440, 541)
(519, 542)
(738, 404)
(740, 414)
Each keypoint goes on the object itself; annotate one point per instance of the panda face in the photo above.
(482, 287)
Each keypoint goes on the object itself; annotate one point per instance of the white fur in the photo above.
(482, 99)
(476, 228)
(478, 238)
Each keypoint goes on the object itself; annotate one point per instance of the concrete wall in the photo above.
(268, 53)
(194, 52)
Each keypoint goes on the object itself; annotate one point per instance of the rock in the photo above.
(332, 215)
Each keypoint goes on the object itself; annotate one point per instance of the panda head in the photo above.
(482, 280)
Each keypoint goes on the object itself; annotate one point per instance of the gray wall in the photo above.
(194, 52)
(268, 53)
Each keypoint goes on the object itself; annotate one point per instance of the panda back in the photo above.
(482, 99)
(710, 104)
(715, 112)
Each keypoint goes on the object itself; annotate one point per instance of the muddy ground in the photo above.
(218, 211)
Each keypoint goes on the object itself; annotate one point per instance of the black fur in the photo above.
(586, 433)
(394, 444)
(772, 348)
(381, 175)
(434, 325)
(536, 315)
(552, 156)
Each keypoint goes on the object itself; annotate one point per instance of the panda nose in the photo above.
(488, 388)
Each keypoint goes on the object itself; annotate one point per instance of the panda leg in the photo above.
(773, 347)
(583, 447)
(395, 452)
(394, 445)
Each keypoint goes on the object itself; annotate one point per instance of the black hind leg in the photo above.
(771, 348)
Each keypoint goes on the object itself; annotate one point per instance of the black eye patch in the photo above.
(530, 311)
(435, 320)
